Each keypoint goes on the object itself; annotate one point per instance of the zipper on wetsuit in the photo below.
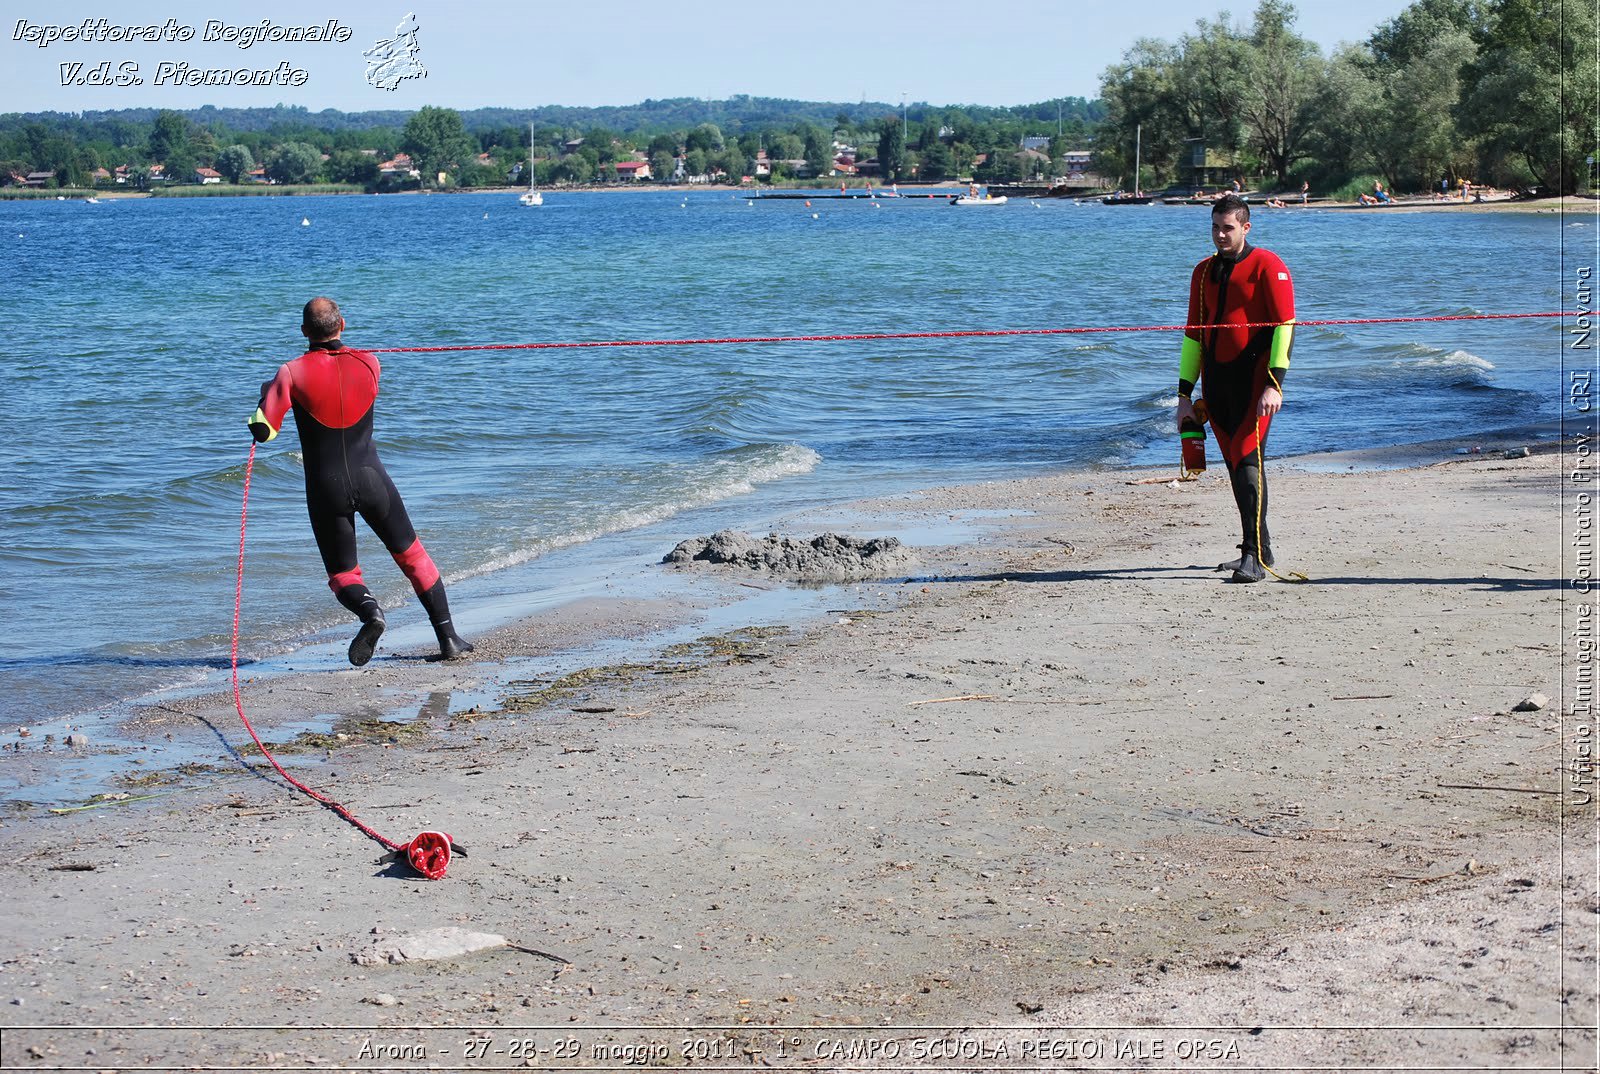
(344, 446)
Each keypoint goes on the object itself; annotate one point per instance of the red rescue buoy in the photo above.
(429, 854)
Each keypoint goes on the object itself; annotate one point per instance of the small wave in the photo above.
(1414, 366)
(1457, 360)
(734, 473)
(197, 489)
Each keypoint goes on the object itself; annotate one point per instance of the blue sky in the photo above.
(623, 51)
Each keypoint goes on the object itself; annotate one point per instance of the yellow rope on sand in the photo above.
(1261, 481)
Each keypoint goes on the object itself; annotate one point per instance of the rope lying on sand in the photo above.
(428, 853)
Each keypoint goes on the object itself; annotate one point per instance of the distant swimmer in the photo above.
(332, 389)
(1240, 370)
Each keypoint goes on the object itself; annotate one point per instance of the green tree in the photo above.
(352, 166)
(707, 136)
(938, 162)
(1209, 82)
(1141, 104)
(437, 141)
(785, 146)
(663, 143)
(179, 164)
(662, 166)
(1396, 108)
(475, 174)
(168, 136)
(1003, 166)
(818, 151)
(891, 149)
(294, 162)
(573, 168)
(1360, 132)
(1284, 73)
(697, 162)
(203, 146)
(605, 144)
(1530, 95)
(235, 162)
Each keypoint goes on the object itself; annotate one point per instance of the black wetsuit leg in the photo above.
(381, 507)
(1250, 494)
(379, 502)
(334, 527)
(335, 533)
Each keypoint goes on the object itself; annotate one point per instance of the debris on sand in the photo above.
(431, 945)
(427, 946)
(830, 557)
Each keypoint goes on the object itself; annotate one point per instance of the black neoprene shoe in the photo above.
(366, 640)
(1233, 564)
(1249, 570)
(451, 644)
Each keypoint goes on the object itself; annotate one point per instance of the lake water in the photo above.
(140, 331)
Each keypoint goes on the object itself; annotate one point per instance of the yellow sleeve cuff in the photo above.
(1282, 344)
(258, 420)
(1189, 360)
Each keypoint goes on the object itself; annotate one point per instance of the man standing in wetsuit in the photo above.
(333, 389)
(1240, 369)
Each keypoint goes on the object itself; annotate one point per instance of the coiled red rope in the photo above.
(238, 700)
(958, 334)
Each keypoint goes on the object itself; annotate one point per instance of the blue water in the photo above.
(139, 333)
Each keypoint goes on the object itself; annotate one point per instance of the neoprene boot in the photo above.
(1250, 494)
(360, 600)
(1249, 570)
(1265, 557)
(451, 644)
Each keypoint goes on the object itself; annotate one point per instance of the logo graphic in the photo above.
(391, 62)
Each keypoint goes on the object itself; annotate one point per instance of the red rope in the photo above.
(238, 701)
(966, 334)
(238, 593)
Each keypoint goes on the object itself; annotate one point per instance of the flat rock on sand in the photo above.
(428, 946)
(830, 557)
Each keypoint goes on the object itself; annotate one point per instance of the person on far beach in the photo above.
(1240, 369)
(333, 389)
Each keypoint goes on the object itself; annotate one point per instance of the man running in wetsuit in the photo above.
(332, 389)
(1241, 370)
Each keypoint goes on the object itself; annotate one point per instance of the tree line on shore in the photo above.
(488, 147)
(1496, 91)
(1500, 91)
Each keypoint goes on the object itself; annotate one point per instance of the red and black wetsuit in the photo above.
(333, 389)
(1235, 364)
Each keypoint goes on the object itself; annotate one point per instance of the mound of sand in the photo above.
(830, 557)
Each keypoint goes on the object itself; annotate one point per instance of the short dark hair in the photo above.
(1232, 203)
(321, 318)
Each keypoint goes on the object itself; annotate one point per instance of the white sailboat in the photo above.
(532, 197)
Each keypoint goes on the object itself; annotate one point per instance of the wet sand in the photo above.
(1063, 778)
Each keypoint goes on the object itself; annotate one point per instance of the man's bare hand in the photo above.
(1271, 403)
(1185, 411)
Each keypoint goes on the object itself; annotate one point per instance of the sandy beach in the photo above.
(1063, 797)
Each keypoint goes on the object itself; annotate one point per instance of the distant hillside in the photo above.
(733, 116)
